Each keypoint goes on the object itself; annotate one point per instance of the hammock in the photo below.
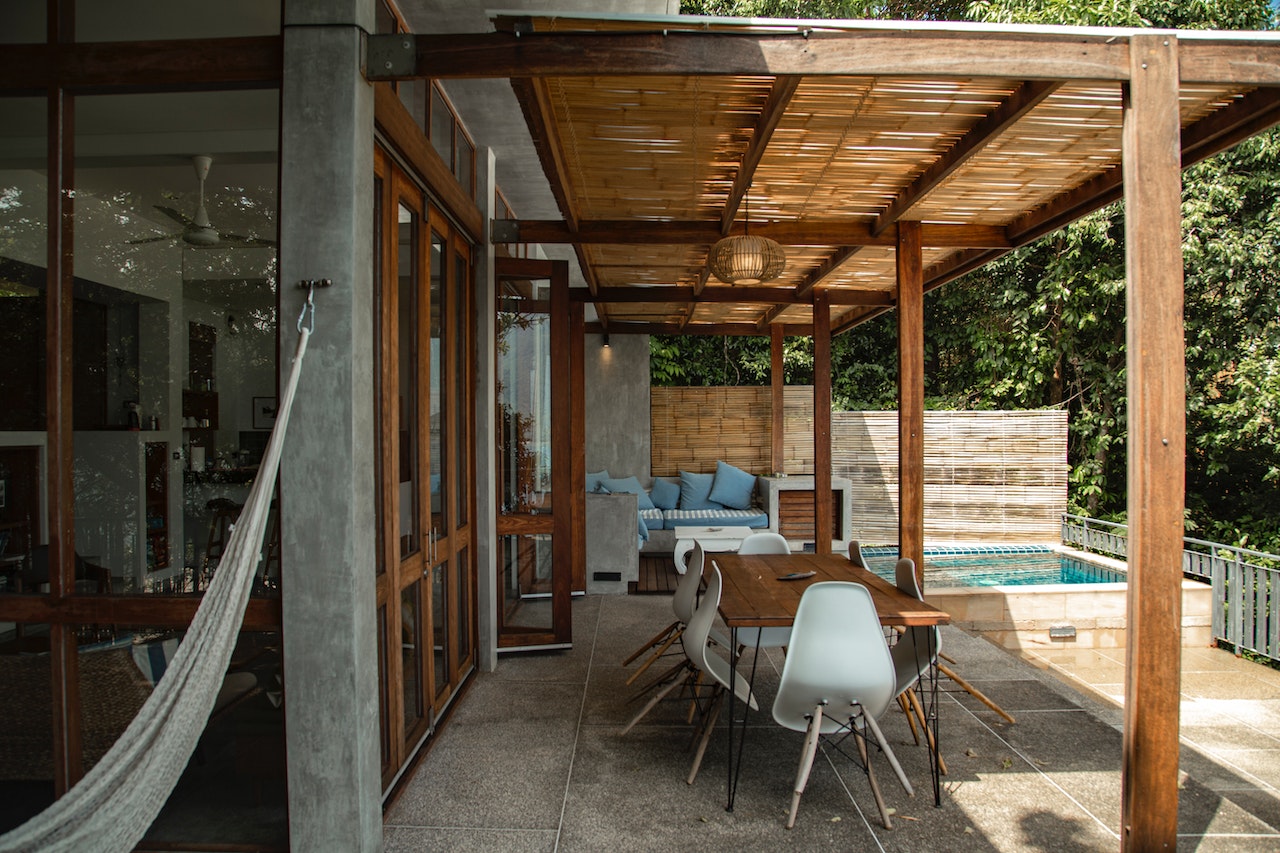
(112, 807)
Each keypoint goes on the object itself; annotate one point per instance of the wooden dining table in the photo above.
(755, 595)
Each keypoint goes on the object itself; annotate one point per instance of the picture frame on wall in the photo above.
(264, 412)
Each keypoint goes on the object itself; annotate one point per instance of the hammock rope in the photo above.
(111, 808)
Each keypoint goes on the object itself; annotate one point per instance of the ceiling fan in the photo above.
(198, 231)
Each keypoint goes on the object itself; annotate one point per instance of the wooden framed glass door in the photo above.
(426, 572)
(540, 471)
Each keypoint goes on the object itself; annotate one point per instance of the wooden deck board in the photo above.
(658, 576)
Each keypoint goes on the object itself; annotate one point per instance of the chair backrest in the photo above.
(837, 656)
(764, 543)
(855, 554)
(918, 647)
(904, 576)
(698, 629)
(685, 597)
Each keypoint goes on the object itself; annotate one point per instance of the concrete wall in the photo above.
(617, 404)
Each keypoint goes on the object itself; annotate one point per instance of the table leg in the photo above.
(735, 768)
(935, 751)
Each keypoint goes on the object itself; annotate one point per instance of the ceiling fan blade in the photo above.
(247, 242)
(142, 240)
(177, 216)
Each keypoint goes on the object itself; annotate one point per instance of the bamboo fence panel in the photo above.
(691, 428)
(988, 476)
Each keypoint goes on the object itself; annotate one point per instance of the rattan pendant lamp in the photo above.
(746, 259)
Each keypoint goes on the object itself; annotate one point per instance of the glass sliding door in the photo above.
(426, 578)
(539, 515)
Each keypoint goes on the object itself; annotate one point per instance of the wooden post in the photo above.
(778, 402)
(578, 443)
(821, 422)
(911, 395)
(563, 547)
(1157, 441)
(63, 659)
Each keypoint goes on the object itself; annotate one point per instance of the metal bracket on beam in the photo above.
(505, 231)
(390, 57)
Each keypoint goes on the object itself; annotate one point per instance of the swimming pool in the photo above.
(1037, 596)
(1004, 567)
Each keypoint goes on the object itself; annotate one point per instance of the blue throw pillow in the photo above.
(665, 494)
(594, 480)
(629, 486)
(695, 491)
(732, 486)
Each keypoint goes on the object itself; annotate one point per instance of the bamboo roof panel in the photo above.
(654, 147)
(848, 145)
(865, 148)
(646, 265)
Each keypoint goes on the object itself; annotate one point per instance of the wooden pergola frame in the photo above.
(1165, 99)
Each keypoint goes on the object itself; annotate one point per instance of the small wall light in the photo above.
(604, 341)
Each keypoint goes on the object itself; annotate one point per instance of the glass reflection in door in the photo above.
(525, 455)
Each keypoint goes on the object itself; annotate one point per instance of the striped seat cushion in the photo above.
(753, 518)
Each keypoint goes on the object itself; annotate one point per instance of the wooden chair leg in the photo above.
(911, 720)
(662, 650)
(693, 700)
(975, 692)
(888, 754)
(654, 700)
(708, 723)
(918, 709)
(661, 679)
(861, 740)
(811, 737)
(652, 641)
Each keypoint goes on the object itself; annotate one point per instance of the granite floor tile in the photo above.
(533, 759)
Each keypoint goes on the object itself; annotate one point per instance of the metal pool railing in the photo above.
(1246, 583)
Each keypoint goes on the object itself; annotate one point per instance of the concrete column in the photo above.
(486, 521)
(328, 470)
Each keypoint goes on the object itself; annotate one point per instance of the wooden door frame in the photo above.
(568, 476)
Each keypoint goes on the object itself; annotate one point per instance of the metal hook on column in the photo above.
(310, 305)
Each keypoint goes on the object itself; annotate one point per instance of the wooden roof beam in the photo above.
(806, 232)
(668, 51)
(805, 288)
(1024, 99)
(545, 131)
(775, 107)
(855, 319)
(683, 294)
(722, 329)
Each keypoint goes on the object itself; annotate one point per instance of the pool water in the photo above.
(1023, 568)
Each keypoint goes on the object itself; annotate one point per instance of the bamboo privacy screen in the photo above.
(690, 428)
(989, 476)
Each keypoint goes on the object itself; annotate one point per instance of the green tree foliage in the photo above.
(848, 9)
(1044, 326)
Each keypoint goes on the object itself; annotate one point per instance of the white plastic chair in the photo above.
(696, 642)
(837, 680)
(855, 554)
(764, 638)
(913, 654)
(700, 661)
(683, 602)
